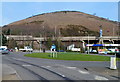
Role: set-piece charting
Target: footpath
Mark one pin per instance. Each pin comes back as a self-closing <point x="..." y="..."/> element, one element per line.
<point x="8" y="73"/>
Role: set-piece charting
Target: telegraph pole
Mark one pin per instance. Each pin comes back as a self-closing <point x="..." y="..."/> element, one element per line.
<point x="40" y="43"/>
<point x="59" y="40"/>
<point x="88" y="44"/>
<point x="55" y="32"/>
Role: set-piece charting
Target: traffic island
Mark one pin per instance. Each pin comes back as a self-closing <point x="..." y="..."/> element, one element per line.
<point x="70" y="56"/>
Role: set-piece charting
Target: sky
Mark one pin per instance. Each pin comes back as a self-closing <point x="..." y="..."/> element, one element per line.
<point x="15" y="11"/>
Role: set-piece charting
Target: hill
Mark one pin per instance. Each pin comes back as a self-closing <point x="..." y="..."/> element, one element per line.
<point x="65" y="23"/>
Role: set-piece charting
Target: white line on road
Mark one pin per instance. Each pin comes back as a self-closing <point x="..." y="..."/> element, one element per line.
<point x="46" y="66"/>
<point x="26" y="65"/>
<point x="56" y="72"/>
<point x="83" y="72"/>
<point x="100" y="78"/>
<point x="67" y="67"/>
<point x="17" y="59"/>
<point x="71" y="68"/>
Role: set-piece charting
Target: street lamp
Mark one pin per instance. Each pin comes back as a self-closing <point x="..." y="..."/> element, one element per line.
<point x="88" y="43"/>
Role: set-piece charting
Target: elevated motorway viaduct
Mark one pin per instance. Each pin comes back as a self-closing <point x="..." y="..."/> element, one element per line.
<point x="67" y="40"/>
<point x="80" y="38"/>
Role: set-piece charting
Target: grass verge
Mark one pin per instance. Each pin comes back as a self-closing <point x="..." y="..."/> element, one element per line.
<point x="71" y="56"/>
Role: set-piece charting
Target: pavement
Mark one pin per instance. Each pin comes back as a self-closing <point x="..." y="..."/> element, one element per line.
<point x="106" y="71"/>
<point x="8" y="73"/>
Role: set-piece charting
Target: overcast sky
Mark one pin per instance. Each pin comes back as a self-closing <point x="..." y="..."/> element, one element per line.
<point x="15" y="11"/>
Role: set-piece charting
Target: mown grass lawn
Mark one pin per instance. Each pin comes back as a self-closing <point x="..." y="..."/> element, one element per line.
<point x="71" y="56"/>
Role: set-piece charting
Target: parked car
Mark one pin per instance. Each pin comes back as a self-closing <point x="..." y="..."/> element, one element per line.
<point x="26" y="49"/>
<point x="60" y="50"/>
<point x="91" y="51"/>
<point x="118" y="54"/>
<point x="1" y="49"/>
<point x="113" y="50"/>
<point x="4" y="51"/>
<point x="11" y="50"/>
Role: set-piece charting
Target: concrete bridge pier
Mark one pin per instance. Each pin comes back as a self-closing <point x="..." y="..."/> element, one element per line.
<point x="40" y="45"/>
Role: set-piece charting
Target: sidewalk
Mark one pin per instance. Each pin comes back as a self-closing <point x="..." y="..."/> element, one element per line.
<point x="112" y="74"/>
<point x="8" y="73"/>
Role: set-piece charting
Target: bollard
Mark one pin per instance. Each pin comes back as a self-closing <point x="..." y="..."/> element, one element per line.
<point x="43" y="50"/>
<point x="113" y="63"/>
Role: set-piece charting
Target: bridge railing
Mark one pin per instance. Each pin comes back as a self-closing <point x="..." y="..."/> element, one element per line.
<point x="16" y="37"/>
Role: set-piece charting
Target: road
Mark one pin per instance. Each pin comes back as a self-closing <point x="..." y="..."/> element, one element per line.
<point x="29" y="68"/>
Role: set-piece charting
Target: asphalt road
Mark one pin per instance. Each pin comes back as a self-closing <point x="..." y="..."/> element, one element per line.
<point x="47" y="69"/>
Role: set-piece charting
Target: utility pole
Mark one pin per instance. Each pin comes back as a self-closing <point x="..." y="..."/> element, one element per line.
<point x="40" y="43"/>
<point x="59" y="40"/>
<point x="88" y="43"/>
<point x="55" y="31"/>
<point x="55" y="34"/>
<point x="44" y="39"/>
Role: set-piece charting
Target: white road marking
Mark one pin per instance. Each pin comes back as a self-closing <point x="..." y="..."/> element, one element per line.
<point x="26" y="65"/>
<point x="68" y="67"/>
<point x="46" y="66"/>
<point x="17" y="59"/>
<point x="100" y="78"/>
<point x="61" y="65"/>
<point x="71" y="68"/>
<point x="83" y="72"/>
<point x="43" y="66"/>
<point x="56" y="72"/>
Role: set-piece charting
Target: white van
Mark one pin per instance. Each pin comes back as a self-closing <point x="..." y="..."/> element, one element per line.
<point x="4" y="50"/>
<point x="5" y="47"/>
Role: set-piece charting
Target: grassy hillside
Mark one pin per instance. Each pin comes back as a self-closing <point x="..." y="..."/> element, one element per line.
<point x="66" y="23"/>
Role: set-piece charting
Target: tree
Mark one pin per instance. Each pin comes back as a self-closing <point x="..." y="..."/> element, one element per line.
<point x="12" y="43"/>
<point x="49" y="42"/>
<point x="7" y="32"/>
<point x="4" y="40"/>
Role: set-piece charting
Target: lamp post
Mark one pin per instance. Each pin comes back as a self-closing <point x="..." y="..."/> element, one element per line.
<point x="88" y="43"/>
<point x="44" y="39"/>
<point x="40" y="41"/>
